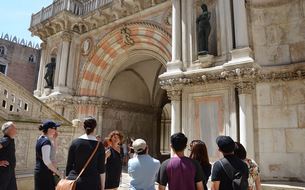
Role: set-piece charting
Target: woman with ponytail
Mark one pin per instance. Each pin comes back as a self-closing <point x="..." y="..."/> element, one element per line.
<point x="93" y="177"/>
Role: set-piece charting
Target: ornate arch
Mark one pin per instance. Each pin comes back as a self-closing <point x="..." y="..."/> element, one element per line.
<point x="113" y="48"/>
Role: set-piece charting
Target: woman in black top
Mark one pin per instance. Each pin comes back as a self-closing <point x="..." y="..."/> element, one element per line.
<point x="199" y="152"/>
<point x="114" y="161"/>
<point x="45" y="168"/>
<point x="93" y="178"/>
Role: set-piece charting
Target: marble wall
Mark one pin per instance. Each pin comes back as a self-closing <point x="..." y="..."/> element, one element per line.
<point x="132" y="124"/>
<point x="281" y="129"/>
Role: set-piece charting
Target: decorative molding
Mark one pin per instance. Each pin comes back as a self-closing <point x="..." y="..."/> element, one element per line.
<point x="86" y="46"/>
<point x="66" y="36"/>
<point x="101" y="102"/>
<point x="239" y="76"/>
<point x="174" y="95"/>
<point x="245" y="87"/>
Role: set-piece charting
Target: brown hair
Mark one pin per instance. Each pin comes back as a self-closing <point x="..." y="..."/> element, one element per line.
<point x="199" y="152"/>
<point x="113" y="133"/>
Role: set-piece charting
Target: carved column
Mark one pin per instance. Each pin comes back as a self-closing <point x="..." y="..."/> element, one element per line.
<point x="40" y="80"/>
<point x="245" y="90"/>
<point x="66" y="40"/>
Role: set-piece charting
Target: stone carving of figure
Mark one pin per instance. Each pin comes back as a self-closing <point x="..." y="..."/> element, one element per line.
<point x="50" y="73"/>
<point x="203" y="30"/>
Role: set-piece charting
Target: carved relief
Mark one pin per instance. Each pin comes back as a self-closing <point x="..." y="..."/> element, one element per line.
<point x="86" y="46"/>
<point x="125" y="32"/>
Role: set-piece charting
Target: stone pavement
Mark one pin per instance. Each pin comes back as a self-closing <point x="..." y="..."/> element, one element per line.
<point x="270" y="185"/>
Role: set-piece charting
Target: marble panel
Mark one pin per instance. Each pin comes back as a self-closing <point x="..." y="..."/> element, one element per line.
<point x="295" y="139"/>
<point x="296" y="92"/>
<point x="297" y="52"/>
<point x="301" y="115"/>
<point x="263" y="94"/>
<point x="272" y="140"/>
<point x="283" y="116"/>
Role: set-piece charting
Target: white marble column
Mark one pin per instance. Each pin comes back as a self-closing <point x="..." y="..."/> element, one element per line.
<point x="240" y="22"/>
<point x="188" y="32"/>
<point x="40" y="84"/>
<point x="175" y="97"/>
<point x="246" y="130"/>
<point x="242" y="54"/>
<point x="72" y="64"/>
<point x="224" y="25"/>
<point x="66" y="40"/>
<point x="176" y="65"/>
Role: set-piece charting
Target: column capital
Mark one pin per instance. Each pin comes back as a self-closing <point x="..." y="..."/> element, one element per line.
<point x="66" y="36"/>
<point x="43" y="45"/>
<point x="174" y="95"/>
<point x="245" y="87"/>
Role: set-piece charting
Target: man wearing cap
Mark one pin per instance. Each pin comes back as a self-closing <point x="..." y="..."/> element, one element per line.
<point x="180" y="172"/>
<point x="8" y="157"/>
<point x="220" y="180"/>
<point x="142" y="168"/>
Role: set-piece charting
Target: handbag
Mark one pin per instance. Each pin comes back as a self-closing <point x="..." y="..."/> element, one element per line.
<point x="68" y="184"/>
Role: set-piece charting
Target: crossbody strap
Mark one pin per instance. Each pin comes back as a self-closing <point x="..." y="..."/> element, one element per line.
<point x="229" y="169"/>
<point x="88" y="161"/>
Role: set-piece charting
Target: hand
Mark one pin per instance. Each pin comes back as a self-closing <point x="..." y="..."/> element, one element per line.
<point x="4" y="163"/>
<point x="55" y="135"/>
<point x="107" y="153"/>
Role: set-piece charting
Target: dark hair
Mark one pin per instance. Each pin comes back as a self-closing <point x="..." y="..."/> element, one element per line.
<point x="113" y="133"/>
<point x="89" y="125"/>
<point x="240" y="151"/>
<point x="178" y="142"/>
<point x="41" y="128"/>
<point x="142" y="152"/>
<point x="199" y="152"/>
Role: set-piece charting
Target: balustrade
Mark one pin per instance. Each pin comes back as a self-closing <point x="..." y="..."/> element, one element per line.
<point x="74" y="6"/>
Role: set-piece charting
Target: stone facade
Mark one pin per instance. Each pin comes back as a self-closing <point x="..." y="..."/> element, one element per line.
<point x="27" y="112"/>
<point x="20" y="61"/>
<point x="123" y="61"/>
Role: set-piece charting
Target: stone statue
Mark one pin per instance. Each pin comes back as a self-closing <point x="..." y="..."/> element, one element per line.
<point x="50" y="73"/>
<point x="203" y="30"/>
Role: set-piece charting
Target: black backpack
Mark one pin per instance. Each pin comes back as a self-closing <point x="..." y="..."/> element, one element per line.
<point x="239" y="181"/>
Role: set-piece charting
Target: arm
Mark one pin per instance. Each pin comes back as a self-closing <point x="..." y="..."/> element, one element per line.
<point x="199" y="185"/>
<point x="70" y="160"/>
<point x="1" y="146"/>
<point x="215" y="185"/>
<point x="161" y="187"/>
<point x="258" y="185"/>
<point x="46" y="152"/>
<point x="101" y="165"/>
<point x="103" y="178"/>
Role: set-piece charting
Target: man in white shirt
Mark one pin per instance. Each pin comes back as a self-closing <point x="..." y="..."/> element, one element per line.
<point x="142" y="168"/>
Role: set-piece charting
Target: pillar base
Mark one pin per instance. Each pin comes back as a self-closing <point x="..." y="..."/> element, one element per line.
<point x="240" y="56"/>
<point x="174" y="69"/>
<point x="47" y="92"/>
<point x="62" y="90"/>
<point x="37" y="93"/>
<point x="204" y="61"/>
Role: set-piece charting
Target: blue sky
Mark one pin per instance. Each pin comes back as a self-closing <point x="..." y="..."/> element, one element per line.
<point x="15" y="17"/>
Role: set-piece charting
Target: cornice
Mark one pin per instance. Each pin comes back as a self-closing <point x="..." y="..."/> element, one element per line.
<point x="239" y="76"/>
<point x="101" y="102"/>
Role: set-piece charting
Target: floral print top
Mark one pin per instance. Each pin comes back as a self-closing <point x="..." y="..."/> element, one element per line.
<point x="253" y="172"/>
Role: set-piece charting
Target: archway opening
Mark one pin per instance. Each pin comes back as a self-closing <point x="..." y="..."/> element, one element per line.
<point x="138" y="102"/>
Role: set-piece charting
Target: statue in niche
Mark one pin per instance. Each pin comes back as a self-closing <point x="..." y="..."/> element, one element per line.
<point x="50" y="73"/>
<point x="203" y="30"/>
